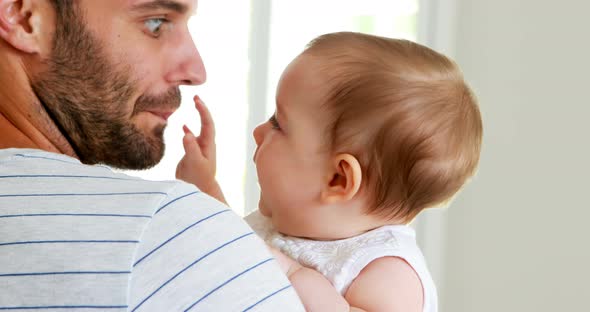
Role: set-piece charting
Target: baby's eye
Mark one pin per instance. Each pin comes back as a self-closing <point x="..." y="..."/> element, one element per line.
<point x="273" y="121"/>
<point x="154" y="26"/>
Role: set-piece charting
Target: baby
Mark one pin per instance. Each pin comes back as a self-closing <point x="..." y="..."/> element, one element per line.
<point x="368" y="132"/>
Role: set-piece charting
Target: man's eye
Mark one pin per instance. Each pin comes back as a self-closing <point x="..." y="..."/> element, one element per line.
<point x="273" y="121"/>
<point x="154" y="26"/>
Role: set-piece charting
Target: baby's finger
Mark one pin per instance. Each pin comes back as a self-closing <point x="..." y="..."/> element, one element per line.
<point x="186" y="130"/>
<point x="207" y="135"/>
<point x="190" y="144"/>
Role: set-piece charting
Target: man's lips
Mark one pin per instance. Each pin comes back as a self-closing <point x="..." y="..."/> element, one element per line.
<point x="162" y="114"/>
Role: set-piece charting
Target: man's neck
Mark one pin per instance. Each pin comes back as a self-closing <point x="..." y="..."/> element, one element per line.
<point x="24" y="123"/>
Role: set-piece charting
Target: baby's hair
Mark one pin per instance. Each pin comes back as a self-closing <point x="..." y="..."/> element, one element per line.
<point x="406" y="113"/>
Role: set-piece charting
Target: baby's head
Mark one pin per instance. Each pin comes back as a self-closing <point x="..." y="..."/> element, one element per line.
<point x="403" y="116"/>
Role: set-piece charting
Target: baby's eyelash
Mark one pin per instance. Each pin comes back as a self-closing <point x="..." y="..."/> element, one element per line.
<point x="273" y="121"/>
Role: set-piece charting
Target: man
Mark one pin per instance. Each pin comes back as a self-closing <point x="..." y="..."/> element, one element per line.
<point x="84" y="84"/>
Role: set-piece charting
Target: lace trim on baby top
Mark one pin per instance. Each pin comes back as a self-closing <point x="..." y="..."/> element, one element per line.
<point x="342" y="260"/>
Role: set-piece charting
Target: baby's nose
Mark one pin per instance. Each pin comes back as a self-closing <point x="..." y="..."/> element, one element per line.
<point x="258" y="134"/>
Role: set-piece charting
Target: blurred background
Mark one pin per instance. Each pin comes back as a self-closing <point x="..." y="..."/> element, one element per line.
<point x="516" y="238"/>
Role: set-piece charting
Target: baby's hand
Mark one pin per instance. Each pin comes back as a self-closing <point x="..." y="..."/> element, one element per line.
<point x="198" y="165"/>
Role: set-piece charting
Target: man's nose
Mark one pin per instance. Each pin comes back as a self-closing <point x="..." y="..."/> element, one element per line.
<point x="190" y="68"/>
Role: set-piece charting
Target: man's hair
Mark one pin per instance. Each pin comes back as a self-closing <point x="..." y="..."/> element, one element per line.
<point x="63" y="6"/>
<point x="406" y="113"/>
<point x="66" y="11"/>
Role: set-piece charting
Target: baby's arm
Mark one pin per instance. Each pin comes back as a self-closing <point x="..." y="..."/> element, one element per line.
<point x="387" y="284"/>
<point x="314" y="290"/>
<point x="198" y="165"/>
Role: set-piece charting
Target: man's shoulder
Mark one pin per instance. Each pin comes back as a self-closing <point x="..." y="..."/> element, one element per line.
<point x="40" y="164"/>
<point x="54" y="177"/>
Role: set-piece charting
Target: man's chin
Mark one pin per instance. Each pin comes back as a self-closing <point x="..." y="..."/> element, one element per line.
<point x="135" y="152"/>
<point x="152" y="155"/>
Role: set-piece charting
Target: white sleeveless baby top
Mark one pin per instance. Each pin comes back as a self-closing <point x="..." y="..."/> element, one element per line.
<point x="341" y="261"/>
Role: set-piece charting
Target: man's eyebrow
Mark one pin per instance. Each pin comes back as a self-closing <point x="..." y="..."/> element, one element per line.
<point x="170" y="5"/>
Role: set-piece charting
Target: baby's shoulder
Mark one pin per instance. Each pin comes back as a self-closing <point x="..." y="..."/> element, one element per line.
<point x="387" y="283"/>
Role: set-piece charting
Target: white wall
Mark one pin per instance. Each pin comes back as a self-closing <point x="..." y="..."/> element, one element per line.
<point x="517" y="237"/>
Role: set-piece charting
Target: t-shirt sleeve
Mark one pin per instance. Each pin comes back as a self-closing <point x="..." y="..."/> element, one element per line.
<point x="198" y="255"/>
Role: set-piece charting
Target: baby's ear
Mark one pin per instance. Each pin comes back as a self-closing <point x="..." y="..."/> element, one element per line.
<point x="344" y="181"/>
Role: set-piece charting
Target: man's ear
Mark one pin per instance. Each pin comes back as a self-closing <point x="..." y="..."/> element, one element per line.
<point x="345" y="179"/>
<point x="21" y="23"/>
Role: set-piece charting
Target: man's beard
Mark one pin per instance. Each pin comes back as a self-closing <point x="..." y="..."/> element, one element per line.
<point x="87" y="97"/>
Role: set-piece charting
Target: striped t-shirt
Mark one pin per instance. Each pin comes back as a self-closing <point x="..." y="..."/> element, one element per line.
<point x="84" y="238"/>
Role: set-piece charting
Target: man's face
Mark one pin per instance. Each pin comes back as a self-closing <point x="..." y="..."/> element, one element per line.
<point x="112" y="79"/>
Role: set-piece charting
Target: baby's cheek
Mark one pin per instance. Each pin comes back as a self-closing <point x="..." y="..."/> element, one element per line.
<point x="263" y="208"/>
